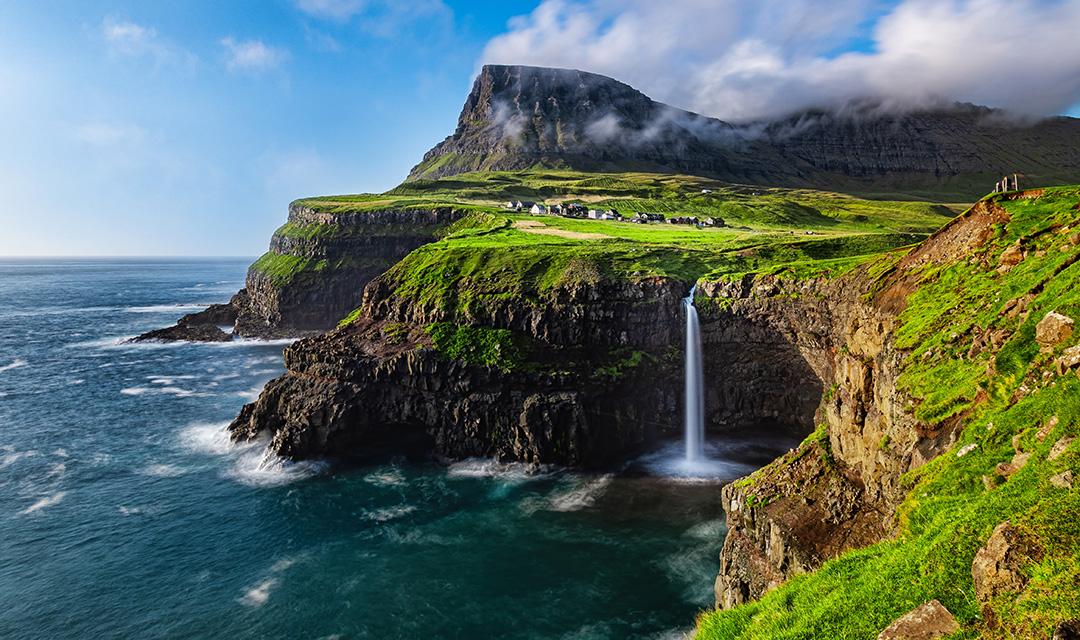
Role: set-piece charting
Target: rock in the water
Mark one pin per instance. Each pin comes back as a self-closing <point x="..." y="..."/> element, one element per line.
<point x="997" y="566"/>
<point x="185" y="332"/>
<point x="1053" y="329"/>
<point x="931" y="620"/>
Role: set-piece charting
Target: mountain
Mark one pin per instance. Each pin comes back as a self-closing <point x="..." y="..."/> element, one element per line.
<point x="517" y="117"/>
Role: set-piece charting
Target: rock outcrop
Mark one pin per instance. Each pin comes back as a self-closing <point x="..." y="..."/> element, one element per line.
<point x="997" y="568"/>
<point x="829" y="360"/>
<point x="518" y="117"/>
<point x="927" y="622"/>
<point x="379" y="382"/>
<point x="314" y="273"/>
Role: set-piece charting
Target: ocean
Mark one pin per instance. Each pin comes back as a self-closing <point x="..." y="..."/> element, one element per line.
<point x="126" y="512"/>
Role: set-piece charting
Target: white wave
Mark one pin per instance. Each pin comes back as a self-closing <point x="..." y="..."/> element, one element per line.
<point x="389" y="513"/>
<point x="488" y="468"/>
<point x="61" y="453"/>
<point x="210" y="438"/>
<point x="579" y="497"/>
<point x="56" y="470"/>
<point x="250" y="342"/>
<point x="386" y="477"/>
<point x="169" y="308"/>
<point x="253" y="464"/>
<point x="76" y="381"/>
<point x="164" y="470"/>
<point x="168" y="379"/>
<point x="259" y="594"/>
<point x="282" y="565"/>
<point x="47" y="501"/>
<point x="172" y="391"/>
<point x="252" y="393"/>
<point x="130" y="511"/>
<point x="13" y="456"/>
<point x="265" y="469"/>
<point x="18" y="362"/>
<point x="671" y="462"/>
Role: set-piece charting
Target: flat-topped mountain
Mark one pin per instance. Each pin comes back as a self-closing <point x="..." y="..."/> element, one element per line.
<point x="517" y="117"/>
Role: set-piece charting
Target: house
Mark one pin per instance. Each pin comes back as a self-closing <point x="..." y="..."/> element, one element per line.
<point x="609" y="215"/>
<point x="538" y="209"/>
<point x="594" y="214"/>
<point x="706" y="190"/>
<point x="714" y="222"/>
<point x="648" y="217"/>
<point x="511" y="205"/>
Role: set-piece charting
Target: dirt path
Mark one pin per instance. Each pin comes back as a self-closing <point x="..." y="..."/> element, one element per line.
<point x="535" y="226"/>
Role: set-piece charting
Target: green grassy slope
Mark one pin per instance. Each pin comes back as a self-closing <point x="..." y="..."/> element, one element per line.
<point x="495" y="252"/>
<point x="955" y="502"/>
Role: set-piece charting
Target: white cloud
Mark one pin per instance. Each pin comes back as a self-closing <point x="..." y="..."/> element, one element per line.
<point x="251" y="55"/>
<point x="747" y="59"/>
<point x="128" y="39"/>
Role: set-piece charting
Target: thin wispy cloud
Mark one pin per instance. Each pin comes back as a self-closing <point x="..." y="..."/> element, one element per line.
<point x="108" y="134"/>
<point x="749" y="59"/>
<point x="340" y="10"/>
<point x="251" y="55"/>
<point x="132" y="40"/>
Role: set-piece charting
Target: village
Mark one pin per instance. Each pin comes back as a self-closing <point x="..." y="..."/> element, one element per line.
<point x="576" y="210"/>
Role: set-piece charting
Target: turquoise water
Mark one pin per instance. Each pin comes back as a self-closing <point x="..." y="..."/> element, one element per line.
<point x="126" y="512"/>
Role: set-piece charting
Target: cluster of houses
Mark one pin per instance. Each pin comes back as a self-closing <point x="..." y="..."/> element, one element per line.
<point x="574" y="210"/>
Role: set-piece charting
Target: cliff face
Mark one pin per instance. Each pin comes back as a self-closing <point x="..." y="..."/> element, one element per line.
<point x="518" y="117"/>
<point x="841" y="488"/>
<point x="314" y="273"/>
<point x="319" y="263"/>
<point x="590" y="379"/>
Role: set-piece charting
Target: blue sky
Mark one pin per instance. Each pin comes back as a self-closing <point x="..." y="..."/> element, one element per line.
<point x="185" y="128"/>
<point x="158" y="128"/>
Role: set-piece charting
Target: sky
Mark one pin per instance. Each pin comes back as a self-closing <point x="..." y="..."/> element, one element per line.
<point x="186" y="128"/>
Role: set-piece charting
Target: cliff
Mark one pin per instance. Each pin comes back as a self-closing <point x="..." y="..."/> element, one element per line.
<point x="943" y="425"/>
<point x="519" y="117"/>
<point x="315" y="271"/>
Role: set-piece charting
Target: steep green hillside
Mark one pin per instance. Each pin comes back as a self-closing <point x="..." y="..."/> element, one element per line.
<point x="497" y="252"/>
<point x="970" y="328"/>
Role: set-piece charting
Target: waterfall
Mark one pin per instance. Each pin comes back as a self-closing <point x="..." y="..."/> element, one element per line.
<point x="695" y="386"/>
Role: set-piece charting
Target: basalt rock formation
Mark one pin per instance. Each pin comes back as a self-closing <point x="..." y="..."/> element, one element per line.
<point x="518" y="117"/>
<point x="574" y="395"/>
<point x="314" y="273"/>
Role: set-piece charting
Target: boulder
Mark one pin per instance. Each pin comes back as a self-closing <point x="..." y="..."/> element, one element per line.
<point x="1069" y="359"/>
<point x="1059" y="448"/>
<point x="1067" y="630"/>
<point x="997" y="566"/>
<point x="1053" y="329"/>
<point x="931" y="620"/>
<point x="1011" y="257"/>
<point x="1063" y="480"/>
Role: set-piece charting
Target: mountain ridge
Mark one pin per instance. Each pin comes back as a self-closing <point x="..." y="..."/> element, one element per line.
<point x="518" y="117"/>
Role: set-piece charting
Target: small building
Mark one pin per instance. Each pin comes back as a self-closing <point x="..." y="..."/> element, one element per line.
<point x="511" y="205"/>
<point x="713" y="222"/>
<point x="706" y="190"/>
<point x="594" y="214"/>
<point x="538" y="209"/>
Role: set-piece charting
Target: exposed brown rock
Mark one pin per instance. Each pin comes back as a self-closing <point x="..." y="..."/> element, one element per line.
<point x="1011" y="257"/>
<point x="1069" y="629"/>
<point x="1063" y="480"/>
<point x="1059" y="447"/>
<point x="1069" y="359"/>
<point x="997" y="567"/>
<point x="929" y="621"/>
<point x="1053" y="329"/>
<point x="1046" y="428"/>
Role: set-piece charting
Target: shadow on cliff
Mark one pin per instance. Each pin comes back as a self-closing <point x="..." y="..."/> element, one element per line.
<point x="756" y="378"/>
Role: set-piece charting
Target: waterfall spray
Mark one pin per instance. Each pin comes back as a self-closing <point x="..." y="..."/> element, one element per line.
<point x="695" y="386"/>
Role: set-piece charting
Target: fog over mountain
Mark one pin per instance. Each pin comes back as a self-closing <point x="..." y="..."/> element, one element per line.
<point x="742" y="60"/>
